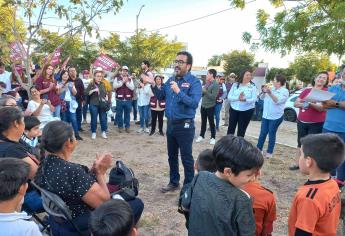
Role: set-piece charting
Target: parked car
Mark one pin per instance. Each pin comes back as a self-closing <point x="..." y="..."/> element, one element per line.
<point x="291" y="112"/>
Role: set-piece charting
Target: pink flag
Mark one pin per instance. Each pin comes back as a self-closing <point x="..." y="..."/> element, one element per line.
<point x="55" y="60"/>
<point x="17" y="51"/>
<point x="105" y="62"/>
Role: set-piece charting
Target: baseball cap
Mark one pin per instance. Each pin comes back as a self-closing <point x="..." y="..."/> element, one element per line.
<point x="99" y="69"/>
<point x="124" y="67"/>
<point x="232" y="75"/>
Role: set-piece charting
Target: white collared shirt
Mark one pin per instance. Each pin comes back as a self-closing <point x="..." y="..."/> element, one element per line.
<point x="250" y="94"/>
<point x="275" y="110"/>
<point x="144" y="95"/>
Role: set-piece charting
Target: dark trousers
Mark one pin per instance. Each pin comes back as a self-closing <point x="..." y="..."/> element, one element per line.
<point x="303" y="129"/>
<point x="339" y="172"/>
<point x="207" y="114"/>
<point x="135" y="109"/>
<point x="79" y="113"/>
<point x="180" y="137"/>
<point x="85" y="109"/>
<point x="269" y="127"/>
<point x="240" y="119"/>
<point x="155" y="115"/>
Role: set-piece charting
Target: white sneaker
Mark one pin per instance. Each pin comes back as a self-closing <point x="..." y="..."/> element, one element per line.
<point x="147" y="130"/>
<point x="93" y="136"/>
<point x="141" y="130"/>
<point x="212" y="141"/>
<point x="199" y="139"/>
<point x="104" y="135"/>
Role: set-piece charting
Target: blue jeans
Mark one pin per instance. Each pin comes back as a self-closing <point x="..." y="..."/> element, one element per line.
<point x="340" y="171"/>
<point x="144" y="116"/>
<point x="57" y="111"/>
<point x="269" y="127"/>
<point x="123" y="112"/>
<point x="32" y="202"/>
<point x="71" y="117"/>
<point x="79" y="113"/>
<point x="95" y="111"/>
<point x="85" y="109"/>
<point x="135" y="109"/>
<point x="217" y="110"/>
<point x="180" y="138"/>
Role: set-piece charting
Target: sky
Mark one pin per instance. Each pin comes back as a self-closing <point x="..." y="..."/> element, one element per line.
<point x="206" y="37"/>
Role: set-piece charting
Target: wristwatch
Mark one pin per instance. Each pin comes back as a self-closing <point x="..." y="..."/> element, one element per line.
<point x="337" y="104"/>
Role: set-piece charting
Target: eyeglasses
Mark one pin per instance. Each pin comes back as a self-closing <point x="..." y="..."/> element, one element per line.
<point x="180" y="62"/>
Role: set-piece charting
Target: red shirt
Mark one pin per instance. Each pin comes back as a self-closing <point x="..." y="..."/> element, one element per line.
<point x="310" y="115"/>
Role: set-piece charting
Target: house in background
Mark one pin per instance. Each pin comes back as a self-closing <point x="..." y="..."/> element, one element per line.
<point x="259" y="75"/>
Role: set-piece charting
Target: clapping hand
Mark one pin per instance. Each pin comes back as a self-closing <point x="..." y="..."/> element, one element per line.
<point x="102" y="163"/>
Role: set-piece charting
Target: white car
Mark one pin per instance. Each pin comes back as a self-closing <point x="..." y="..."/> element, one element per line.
<point x="291" y="112"/>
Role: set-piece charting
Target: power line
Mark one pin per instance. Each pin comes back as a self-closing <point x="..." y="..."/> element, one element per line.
<point x="199" y="18"/>
<point x="161" y="28"/>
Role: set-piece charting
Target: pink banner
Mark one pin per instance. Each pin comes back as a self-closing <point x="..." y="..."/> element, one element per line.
<point x="105" y="62"/>
<point x="17" y="51"/>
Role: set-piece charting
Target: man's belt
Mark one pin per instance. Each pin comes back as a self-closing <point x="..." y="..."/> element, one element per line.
<point x="181" y="121"/>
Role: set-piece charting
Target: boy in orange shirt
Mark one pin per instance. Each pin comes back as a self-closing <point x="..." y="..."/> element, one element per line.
<point x="316" y="207"/>
<point x="264" y="206"/>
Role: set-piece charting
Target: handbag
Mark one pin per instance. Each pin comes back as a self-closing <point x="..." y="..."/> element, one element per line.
<point x="104" y="106"/>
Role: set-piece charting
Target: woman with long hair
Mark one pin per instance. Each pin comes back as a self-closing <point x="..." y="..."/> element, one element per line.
<point x="47" y="86"/>
<point x="274" y="103"/>
<point x="311" y="115"/>
<point x="157" y="108"/>
<point x="242" y="97"/>
<point x="97" y="93"/>
<point x="67" y="93"/>
<point x="41" y="108"/>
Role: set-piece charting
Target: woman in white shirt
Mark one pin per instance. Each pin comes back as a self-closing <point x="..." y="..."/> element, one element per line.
<point x="242" y="97"/>
<point x="144" y="95"/>
<point x="272" y="117"/>
<point x="41" y="108"/>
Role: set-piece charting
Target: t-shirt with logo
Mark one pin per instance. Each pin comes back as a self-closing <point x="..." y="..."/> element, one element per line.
<point x="316" y="208"/>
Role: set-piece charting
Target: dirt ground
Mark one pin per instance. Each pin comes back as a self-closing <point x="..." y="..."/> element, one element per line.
<point x="147" y="156"/>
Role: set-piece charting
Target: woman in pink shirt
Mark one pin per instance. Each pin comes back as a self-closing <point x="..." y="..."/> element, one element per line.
<point x="311" y="115"/>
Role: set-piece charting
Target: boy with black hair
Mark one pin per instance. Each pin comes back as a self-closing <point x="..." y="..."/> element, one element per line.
<point x="112" y="218"/>
<point x="264" y="206"/>
<point x="205" y="162"/>
<point x="13" y="185"/>
<point x="32" y="130"/>
<point x="316" y="207"/>
<point x="218" y="206"/>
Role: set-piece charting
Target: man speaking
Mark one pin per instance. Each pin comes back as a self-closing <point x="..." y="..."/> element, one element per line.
<point x="182" y="93"/>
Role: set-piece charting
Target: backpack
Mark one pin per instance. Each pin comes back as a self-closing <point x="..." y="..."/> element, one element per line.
<point x="124" y="178"/>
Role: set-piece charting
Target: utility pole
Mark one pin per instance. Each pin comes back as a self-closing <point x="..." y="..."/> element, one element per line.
<point x="137" y="29"/>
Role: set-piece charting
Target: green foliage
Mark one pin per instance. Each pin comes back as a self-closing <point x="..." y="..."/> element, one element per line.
<point x="153" y="47"/>
<point x="306" y="26"/>
<point x="287" y="72"/>
<point x="237" y="61"/>
<point x="215" y="60"/>
<point x="307" y="66"/>
<point x="48" y="41"/>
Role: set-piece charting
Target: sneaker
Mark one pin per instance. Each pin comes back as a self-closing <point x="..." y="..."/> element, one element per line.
<point x="212" y="141"/>
<point x="127" y="130"/>
<point x="104" y="135"/>
<point x="81" y="130"/>
<point x="161" y="133"/>
<point x="147" y="130"/>
<point x="120" y="130"/>
<point x="269" y="155"/>
<point x="294" y="167"/>
<point x="170" y="188"/>
<point x="199" y="139"/>
<point x="152" y="132"/>
<point x="78" y="138"/>
<point x="93" y="136"/>
<point x="137" y="122"/>
<point x="141" y="130"/>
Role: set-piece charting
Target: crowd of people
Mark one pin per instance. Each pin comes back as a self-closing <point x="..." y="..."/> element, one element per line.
<point x="40" y="130"/>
